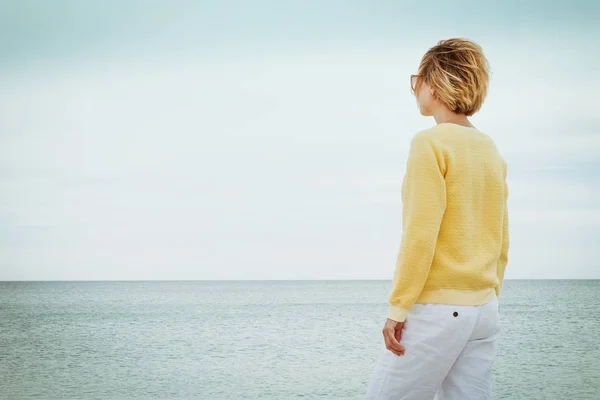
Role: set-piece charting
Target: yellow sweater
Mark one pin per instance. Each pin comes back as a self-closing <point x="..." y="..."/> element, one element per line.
<point x="454" y="246"/>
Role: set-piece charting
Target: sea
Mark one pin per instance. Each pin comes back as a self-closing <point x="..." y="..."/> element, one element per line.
<point x="266" y="340"/>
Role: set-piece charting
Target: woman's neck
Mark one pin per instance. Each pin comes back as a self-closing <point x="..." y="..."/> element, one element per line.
<point x="446" y="116"/>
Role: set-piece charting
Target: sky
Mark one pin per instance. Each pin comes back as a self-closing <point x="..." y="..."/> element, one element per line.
<point x="179" y="140"/>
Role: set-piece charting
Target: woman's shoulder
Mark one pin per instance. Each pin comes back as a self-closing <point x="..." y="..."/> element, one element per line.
<point x="443" y="130"/>
<point x="449" y="131"/>
<point x="451" y="138"/>
<point x="428" y="133"/>
<point x="436" y="134"/>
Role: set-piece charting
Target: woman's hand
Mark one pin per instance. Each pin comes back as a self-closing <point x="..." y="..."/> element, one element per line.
<point x="392" y="332"/>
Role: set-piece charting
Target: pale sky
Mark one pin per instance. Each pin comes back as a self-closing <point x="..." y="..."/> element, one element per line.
<point x="229" y="140"/>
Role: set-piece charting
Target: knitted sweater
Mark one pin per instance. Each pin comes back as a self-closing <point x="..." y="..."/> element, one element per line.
<point x="455" y="239"/>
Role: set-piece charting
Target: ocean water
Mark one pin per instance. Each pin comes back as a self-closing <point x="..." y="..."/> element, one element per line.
<point x="265" y="340"/>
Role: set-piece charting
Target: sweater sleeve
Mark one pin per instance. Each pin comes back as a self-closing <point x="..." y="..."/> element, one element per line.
<point x="503" y="259"/>
<point x="424" y="204"/>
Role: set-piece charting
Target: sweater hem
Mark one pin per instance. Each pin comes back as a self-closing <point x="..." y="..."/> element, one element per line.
<point x="457" y="297"/>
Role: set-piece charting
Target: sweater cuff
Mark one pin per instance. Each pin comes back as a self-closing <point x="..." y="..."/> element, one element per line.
<point x="397" y="313"/>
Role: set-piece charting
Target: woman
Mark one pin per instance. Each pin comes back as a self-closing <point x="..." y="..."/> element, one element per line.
<point x="442" y="328"/>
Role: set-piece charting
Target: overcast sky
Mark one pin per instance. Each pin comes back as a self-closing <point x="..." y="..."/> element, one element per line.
<point x="268" y="139"/>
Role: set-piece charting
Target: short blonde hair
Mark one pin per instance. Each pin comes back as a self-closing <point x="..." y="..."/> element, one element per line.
<point x="458" y="72"/>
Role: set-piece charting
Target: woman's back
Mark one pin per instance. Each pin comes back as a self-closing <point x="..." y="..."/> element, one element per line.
<point x="470" y="239"/>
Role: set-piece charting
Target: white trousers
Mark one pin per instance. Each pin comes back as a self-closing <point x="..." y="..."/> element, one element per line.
<point x="449" y="352"/>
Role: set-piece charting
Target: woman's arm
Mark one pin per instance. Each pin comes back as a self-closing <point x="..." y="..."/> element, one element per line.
<point x="424" y="204"/>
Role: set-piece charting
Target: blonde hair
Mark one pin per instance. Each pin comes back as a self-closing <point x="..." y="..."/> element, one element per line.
<point x="458" y="72"/>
